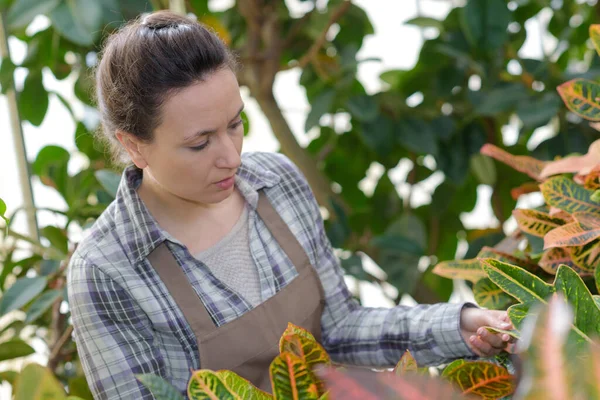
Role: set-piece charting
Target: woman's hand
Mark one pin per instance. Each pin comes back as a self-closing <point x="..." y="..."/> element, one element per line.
<point x="483" y="342"/>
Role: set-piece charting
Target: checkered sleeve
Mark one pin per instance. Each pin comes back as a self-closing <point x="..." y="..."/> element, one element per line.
<point x="378" y="337"/>
<point x="112" y="333"/>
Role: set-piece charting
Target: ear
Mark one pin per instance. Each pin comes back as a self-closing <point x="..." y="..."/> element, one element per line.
<point x="133" y="146"/>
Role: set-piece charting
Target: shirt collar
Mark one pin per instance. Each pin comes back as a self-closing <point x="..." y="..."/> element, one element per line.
<point x="139" y="231"/>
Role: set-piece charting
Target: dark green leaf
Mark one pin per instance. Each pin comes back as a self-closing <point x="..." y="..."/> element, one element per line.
<point x="501" y="99"/>
<point x="321" y="105"/>
<point x="7" y="71"/>
<point x="159" y="387"/>
<point x="21" y="293"/>
<point x="78" y="387"/>
<point x="9" y="376"/>
<point x="78" y="20"/>
<point x="51" y="166"/>
<point x="485" y="23"/>
<point x="49" y="267"/>
<point x="84" y="140"/>
<point x="379" y="135"/>
<point x="33" y="100"/>
<point x="84" y="87"/>
<point x="14" y="348"/>
<point x="536" y="112"/>
<point x="109" y="180"/>
<point x="392" y="242"/>
<point x="57" y="238"/>
<point x="363" y="108"/>
<point x="416" y="135"/>
<point x="22" y="12"/>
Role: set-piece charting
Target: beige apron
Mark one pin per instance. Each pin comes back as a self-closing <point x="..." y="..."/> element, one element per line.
<point x="248" y="344"/>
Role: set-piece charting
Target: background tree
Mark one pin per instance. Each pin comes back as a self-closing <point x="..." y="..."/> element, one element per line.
<point x="469" y="83"/>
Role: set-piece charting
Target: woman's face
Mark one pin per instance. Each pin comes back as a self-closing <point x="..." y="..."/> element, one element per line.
<point x="196" y="149"/>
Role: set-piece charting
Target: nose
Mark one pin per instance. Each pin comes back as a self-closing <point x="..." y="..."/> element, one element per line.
<point x="229" y="153"/>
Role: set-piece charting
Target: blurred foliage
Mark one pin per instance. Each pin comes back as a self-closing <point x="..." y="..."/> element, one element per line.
<point x="470" y="84"/>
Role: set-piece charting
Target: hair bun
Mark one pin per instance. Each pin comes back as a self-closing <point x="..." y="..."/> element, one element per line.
<point x="164" y="19"/>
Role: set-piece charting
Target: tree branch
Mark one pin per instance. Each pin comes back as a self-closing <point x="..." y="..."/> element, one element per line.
<point x="56" y="354"/>
<point x="318" y="44"/>
<point x="296" y="28"/>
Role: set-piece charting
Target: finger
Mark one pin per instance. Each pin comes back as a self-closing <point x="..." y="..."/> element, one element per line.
<point x="484" y="348"/>
<point x="492" y="339"/>
<point x="499" y="319"/>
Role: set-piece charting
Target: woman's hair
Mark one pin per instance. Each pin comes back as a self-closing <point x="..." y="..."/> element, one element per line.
<point x="144" y="63"/>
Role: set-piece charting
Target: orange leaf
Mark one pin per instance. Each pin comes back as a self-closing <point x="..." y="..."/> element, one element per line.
<point x="581" y="97"/>
<point x="524" y="164"/>
<point x="557" y="256"/>
<point x="585" y="229"/>
<point x="592" y="179"/>
<point x="574" y="164"/>
<point x="528" y="187"/>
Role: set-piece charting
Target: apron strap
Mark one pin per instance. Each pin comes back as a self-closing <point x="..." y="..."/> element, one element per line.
<point x="188" y="301"/>
<point x="282" y="233"/>
<point x="177" y="283"/>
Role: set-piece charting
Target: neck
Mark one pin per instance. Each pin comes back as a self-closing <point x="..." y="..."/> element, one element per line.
<point x="172" y="211"/>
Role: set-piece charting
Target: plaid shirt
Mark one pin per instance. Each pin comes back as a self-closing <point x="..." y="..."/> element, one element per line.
<point x="126" y="322"/>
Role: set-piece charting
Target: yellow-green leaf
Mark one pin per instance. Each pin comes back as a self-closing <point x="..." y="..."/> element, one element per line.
<point x="489" y="295"/>
<point x="561" y="192"/>
<point x="483" y="379"/>
<point x="461" y="269"/>
<point x="524" y="164"/>
<point x="535" y="222"/>
<point x="517" y="282"/>
<point x="207" y="385"/>
<point x="514" y="333"/>
<point x="37" y="382"/>
<point x="406" y="364"/>
<point x="595" y="36"/>
<point x="14" y="348"/>
<point x="291" y="379"/>
<point x="311" y="353"/>
<point x="518" y="312"/>
<point x="586" y="257"/>
<point x="242" y="386"/>
<point x="581" y="97"/>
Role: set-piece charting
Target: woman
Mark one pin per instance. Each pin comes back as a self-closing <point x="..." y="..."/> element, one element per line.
<point x="206" y="254"/>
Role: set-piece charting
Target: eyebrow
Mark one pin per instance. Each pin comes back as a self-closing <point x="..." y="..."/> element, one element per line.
<point x="209" y="131"/>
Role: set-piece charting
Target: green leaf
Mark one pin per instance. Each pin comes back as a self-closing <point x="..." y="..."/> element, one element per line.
<point x="78" y="386"/>
<point x="394" y="242"/>
<point x="597" y="279"/>
<point x="21" y="293"/>
<point x="14" y="348"/>
<point x="416" y="135"/>
<point x="363" y="108"/>
<point x="561" y="192"/>
<point x="480" y="378"/>
<point x="595" y="36"/>
<point x="3" y="210"/>
<point x="206" y="384"/>
<point x="109" y="181"/>
<point x="501" y="99"/>
<point x="33" y="99"/>
<point x="485" y="23"/>
<point x="514" y="333"/>
<point x="22" y="12"/>
<point x="42" y="304"/>
<point x="586" y="314"/>
<point x="57" y="238"/>
<point x="37" y="382"/>
<point x="9" y="376"/>
<point x="517" y="282"/>
<point x="78" y="20"/>
<point x="518" y="312"/>
<point x="536" y="112"/>
<point x="536" y="222"/>
<point x="484" y="169"/>
<point x="322" y="104"/>
<point x="51" y="165"/>
<point x="7" y="72"/>
<point x="245" y="389"/>
<point x="426" y="22"/>
<point x="489" y="295"/>
<point x="160" y="388"/>
<point x="379" y="135"/>
<point x="581" y="97"/>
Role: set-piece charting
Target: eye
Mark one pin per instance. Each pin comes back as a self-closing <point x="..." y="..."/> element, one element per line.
<point x="237" y="124"/>
<point x="200" y="147"/>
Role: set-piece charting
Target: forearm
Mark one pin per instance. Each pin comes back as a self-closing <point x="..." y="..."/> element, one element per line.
<point x="377" y="337"/>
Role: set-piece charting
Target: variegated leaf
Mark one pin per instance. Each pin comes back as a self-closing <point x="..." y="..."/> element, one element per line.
<point x="296" y="330"/>
<point x="489" y="295"/>
<point x="514" y="333"/>
<point x="524" y="164"/>
<point x="597" y="279"/>
<point x="535" y="222"/>
<point x="517" y="282"/>
<point x="518" y="312"/>
<point x="406" y="364"/>
<point x="526" y="263"/>
<point x="573" y="234"/>
<point x="586" y="257"/>
<point x="563" y="193"/>
<point x="310" y="351"/>
<point x="207" y="385"/>
<point x="581" y="97"/>
<point x="291" y="378"/>
<point x="484" y="379"/>
<point x="242" y="386"/>
<point x="592" y="179"/>
<point x="556" y="256"/>
<point x="460" y="269"/>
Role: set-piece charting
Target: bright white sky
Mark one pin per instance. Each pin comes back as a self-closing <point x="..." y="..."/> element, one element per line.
<point x="396" y="44"/>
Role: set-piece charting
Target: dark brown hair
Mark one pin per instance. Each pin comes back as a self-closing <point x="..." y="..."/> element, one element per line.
<point x="144" y="63"/>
